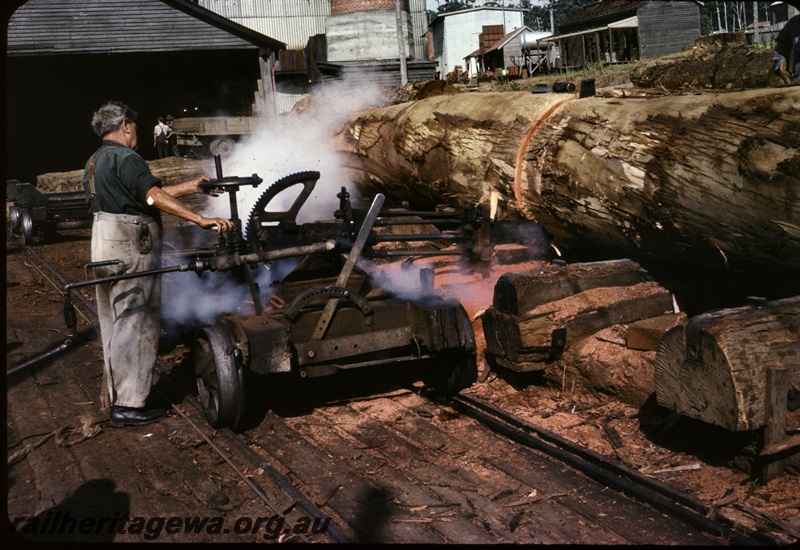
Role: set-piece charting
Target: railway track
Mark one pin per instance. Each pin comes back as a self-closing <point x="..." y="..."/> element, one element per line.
<point x="614" y="474"/>
<point x="388" y="462"/>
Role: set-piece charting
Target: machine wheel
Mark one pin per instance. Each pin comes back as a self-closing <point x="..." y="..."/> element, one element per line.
<point x="225" y="147"/>
<point x="456" y="369"/>
<point x="220" y="377"/>
<point x="222" y="147"/>
<point x="15" y="218"/>
<point x="259" y="214"/>
<point x="27" y="228"/>
<point x="213" y="147"/>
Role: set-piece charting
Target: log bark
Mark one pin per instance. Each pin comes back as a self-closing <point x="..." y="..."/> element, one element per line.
<point x="714" y="369"/>
<point x="710" y="179"/>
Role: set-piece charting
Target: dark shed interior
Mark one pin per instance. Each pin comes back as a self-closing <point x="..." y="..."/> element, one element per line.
<point x="65" y="58"/>
<point x="51" y="99"/>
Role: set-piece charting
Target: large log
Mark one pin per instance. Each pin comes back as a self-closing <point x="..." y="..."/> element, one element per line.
<point x="709" y="179"/>
<point x="170" y="170"/>
<point x="715" y="368"/>
<point x="521" y="291"/>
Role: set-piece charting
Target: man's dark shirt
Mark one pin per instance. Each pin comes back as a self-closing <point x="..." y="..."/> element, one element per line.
<point x="788" y="41"/>
<point x="121" y="181"/>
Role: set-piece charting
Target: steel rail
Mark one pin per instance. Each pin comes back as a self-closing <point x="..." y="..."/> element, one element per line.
<point x="276" y="477"/>
<point x="600" y="468"/>
<point x="250" y="483"/>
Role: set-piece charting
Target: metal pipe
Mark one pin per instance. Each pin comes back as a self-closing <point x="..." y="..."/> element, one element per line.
<point x="390" y="223"/>
<point x="74" y="224"/>
<point x="421" y="237"/>
<point x="427" y="214"/>
<point x="229" y="261"/>
<point x="182" y="267"/>
<point x="42" y="356"/>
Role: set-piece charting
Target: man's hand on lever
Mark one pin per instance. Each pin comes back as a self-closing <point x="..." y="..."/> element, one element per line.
<point x="221" y="224"/>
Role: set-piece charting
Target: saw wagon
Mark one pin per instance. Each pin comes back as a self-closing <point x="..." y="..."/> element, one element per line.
<point x="325" y="316"/>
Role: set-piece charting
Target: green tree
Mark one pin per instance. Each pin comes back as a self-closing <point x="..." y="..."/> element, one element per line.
<point x="565" y="9"/>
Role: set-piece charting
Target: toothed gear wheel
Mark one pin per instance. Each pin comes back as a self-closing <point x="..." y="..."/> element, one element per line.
<point x="259" y="213"/>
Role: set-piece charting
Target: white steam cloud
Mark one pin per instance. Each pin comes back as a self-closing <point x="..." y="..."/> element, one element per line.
<point x="286" y="144"/>
<point x="299" y="142"/>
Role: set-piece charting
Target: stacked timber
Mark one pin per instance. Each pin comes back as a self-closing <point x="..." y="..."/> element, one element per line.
<point x="170" y="170"/>
<point x="537" y="314"/>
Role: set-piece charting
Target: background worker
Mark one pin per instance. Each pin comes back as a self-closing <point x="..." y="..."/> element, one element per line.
<point x="172" y="137"/>
<point x="786" y="58"/>
<point x="160" y="138"/>
<point x="127" y="200"/>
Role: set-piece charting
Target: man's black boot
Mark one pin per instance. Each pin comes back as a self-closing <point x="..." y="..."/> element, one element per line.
<point x="131" y="416"/>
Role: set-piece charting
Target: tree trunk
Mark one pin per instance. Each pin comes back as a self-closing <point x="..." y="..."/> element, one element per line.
<point x="711" y="180"/>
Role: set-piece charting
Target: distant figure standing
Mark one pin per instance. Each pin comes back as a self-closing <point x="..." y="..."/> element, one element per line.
<point x="160" y="138"/>
<point x="172" y="137"/>
<point x="786" y="59"/>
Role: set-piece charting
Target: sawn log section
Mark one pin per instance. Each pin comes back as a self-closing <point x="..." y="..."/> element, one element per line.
<point x="715" y="368"/>
<point x="537" y="313"/>
<point x="708" y="179"/>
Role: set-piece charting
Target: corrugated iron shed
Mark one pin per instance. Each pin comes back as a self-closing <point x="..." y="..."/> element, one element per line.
<point x="51" y="27"/>
<point x="601" y="14"/>
<point x="292" y="21"/>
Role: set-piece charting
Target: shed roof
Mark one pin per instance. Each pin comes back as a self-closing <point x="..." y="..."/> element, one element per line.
<point x="51" y="27"/>
<point x="601" y="14"/>
<point x="441" y="16"/>
<point x="503" y="42"/>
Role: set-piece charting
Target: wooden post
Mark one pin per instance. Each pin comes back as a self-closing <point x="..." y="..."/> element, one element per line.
<point x="598" y="48"/>
<point x="774" y="429"/>
<point x="401" y="46"/>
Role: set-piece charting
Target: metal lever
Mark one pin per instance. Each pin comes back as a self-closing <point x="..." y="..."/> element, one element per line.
<point x="349" y="265"/>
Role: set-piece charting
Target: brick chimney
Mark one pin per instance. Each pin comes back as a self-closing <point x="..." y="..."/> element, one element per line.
<point x="346" y="6"/>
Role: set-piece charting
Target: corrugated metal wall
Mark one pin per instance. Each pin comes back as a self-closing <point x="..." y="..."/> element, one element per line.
<point x="667" y="27"/>
<point x="380" y="74"/>
<point x="294" y="21"/>
<point x="42" y="27"/>
<point x="290" y="21"/>
<point x="419" y="26"/>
